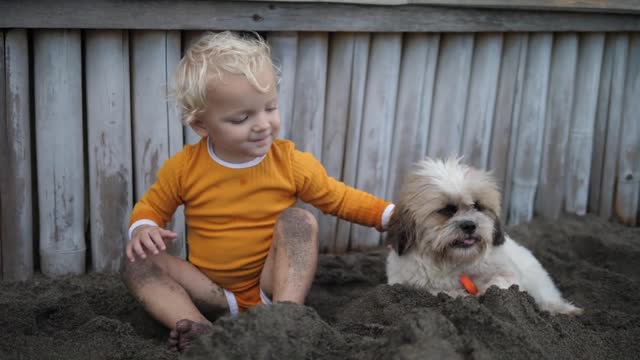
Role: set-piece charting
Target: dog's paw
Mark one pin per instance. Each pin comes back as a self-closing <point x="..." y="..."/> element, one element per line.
<point x="502" y="282"/>
<point x="564" y="308"/>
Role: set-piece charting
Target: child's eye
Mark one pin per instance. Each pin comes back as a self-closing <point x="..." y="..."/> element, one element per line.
<point x="238" y="121"/>
<point x="271" y="109"/>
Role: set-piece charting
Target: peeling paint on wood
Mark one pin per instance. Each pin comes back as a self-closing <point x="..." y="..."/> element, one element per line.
<point x="16" y="193"/>
<point x="60" y="159"/>
<point x="378" y="122"/>
<point x="109" y="141"/>
<point x="551" y="191"/>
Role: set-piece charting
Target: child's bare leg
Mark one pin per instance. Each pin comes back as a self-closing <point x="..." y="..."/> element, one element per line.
<point x="293" y="257"/>
<point x="175" y="293"/>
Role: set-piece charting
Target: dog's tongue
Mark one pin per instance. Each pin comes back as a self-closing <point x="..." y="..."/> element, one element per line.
<point x="469" y="241"/>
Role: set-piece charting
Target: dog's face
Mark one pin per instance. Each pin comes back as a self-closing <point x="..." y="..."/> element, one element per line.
<point x="448" y="212"/>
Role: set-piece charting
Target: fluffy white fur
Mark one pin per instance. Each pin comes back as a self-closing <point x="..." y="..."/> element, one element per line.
<point x="446" y="223"/>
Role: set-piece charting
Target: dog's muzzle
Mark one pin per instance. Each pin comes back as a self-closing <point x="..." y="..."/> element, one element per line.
<point x="467" y="226"/>
<point x="469" y="239"/>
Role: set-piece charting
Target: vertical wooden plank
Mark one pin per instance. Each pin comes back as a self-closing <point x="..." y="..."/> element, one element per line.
<point x="600" y="127"/>
<point x="336" y="115"/>
<point x="428" y="94"/>
<point x="109" y="146"/>
<point x="60" y="160"/>
<point x="308" y="104"/>
<point x="618" y="45"/>
<point x="551" y="191"/>
<point x="531" y="116"/>
<point x="377" y="126"/>
<point x="310" y="85"/>
<point x="481" y="101"/>
<point x="188" y="39"/>
<point x="355" y="118"/>
<point x="628" y="190"/>
<point x="176" y="135"/>
<point x="4" y="149"/>
<point x="409" y="134"/>
<point x="582" y="126"/>
<point x="16" y="197"/>
<point x="284" y="51"/>
<point x="153" y="121"/>
<point x="505" y="124"/>
<point x="449" y="104"/>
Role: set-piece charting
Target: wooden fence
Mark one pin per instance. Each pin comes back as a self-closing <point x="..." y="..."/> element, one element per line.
<point x="85" y="123"/>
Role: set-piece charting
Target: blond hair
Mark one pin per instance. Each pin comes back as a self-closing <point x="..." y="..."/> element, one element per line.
<point x="205" y="63"/>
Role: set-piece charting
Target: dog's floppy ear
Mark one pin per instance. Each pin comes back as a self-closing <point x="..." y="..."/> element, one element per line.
<point x="402" y="230"/>
<point x="498" y="234"/>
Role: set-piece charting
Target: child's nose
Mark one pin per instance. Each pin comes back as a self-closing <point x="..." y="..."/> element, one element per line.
<point x="262" y="122"/>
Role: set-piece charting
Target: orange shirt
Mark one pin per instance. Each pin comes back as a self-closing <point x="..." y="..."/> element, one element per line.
<point x="231" y="212"/>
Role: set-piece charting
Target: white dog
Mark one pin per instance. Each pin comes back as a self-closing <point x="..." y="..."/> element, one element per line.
<point x="445" y="231"/>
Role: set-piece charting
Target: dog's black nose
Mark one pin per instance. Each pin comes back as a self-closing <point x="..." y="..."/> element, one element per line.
<point x="467" y="226"/>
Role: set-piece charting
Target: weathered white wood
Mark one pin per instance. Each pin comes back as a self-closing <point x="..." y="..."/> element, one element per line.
<point x="109" y="146"/>
<point x="155" y="123"/>
<point x="600" y="127"/>
<point x="355" y="119"/>
<point x="618" y="46"/>
<point x="551" y="190"/>
<point x="505" y="127"/>
<point x="16" y="191"/>
<point x="176" y="137"/>
<point x="409" y="129"/>
<point x="628" y="190"/>
<point x="59" y="148"/>
<point x="481" y="99"/>
<point x="531" y="116"/>
<point x="449" y="104"/>
<point x="582" y="126"/>
<point x="377" y="126"/>
<point x="273" y="16"/>
<point x="4" y="150"/>
<point x="583" y="5"/>
<point x="307" y="120"/>
<point x="336" y="114"/>
<point x="310" y="83"/>
<point x="428" y="93"/>
<point x="284" y="51"/>
<point x="188" y="39"/>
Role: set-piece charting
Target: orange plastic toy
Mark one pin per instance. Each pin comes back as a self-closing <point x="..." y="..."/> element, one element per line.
<point x="468" y="284"/>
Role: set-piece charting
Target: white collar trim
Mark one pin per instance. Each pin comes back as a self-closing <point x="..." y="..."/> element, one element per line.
<point x="230" y="165"/>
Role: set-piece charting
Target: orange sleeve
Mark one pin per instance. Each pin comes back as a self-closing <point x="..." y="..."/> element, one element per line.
<point x="163" y="198"/>
<point x="334" y="197"/>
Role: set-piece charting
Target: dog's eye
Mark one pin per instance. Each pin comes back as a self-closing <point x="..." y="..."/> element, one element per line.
<point x="448" y="210"/>
<point x="477" y="206"/>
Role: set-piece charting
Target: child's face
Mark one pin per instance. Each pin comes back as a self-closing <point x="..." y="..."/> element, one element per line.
<point x="240" y="120"/>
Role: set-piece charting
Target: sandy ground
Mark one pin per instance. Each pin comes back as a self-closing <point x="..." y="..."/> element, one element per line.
<point x="352" y="314"/>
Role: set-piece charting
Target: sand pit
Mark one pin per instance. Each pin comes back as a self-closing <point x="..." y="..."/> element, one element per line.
<point x="352" y="314"/>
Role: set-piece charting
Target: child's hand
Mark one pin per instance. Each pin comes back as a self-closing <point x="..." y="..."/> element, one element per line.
<point x="148" y="238"/>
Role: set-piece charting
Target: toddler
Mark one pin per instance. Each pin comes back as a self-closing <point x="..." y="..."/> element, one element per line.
<point x="248" y="245"/>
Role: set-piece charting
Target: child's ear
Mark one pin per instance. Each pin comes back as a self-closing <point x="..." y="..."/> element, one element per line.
<point x="199" y="128"/>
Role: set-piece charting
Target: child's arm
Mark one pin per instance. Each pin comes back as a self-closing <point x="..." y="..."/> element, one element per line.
<point x="333" y="197"/>
<point x="151" y="214"/>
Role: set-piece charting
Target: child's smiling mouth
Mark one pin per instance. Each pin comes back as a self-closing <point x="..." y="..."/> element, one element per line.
<point x="262" y="140"/>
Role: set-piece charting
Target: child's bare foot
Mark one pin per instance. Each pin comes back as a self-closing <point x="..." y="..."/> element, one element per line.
<point x="185" y="332"/>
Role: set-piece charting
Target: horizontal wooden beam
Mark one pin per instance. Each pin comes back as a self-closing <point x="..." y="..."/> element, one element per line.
<point x="621" y="6"/>
<point x="289" y="16"/>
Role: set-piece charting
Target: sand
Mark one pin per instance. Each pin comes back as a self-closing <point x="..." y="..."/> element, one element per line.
<point x="352" y="314"/>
